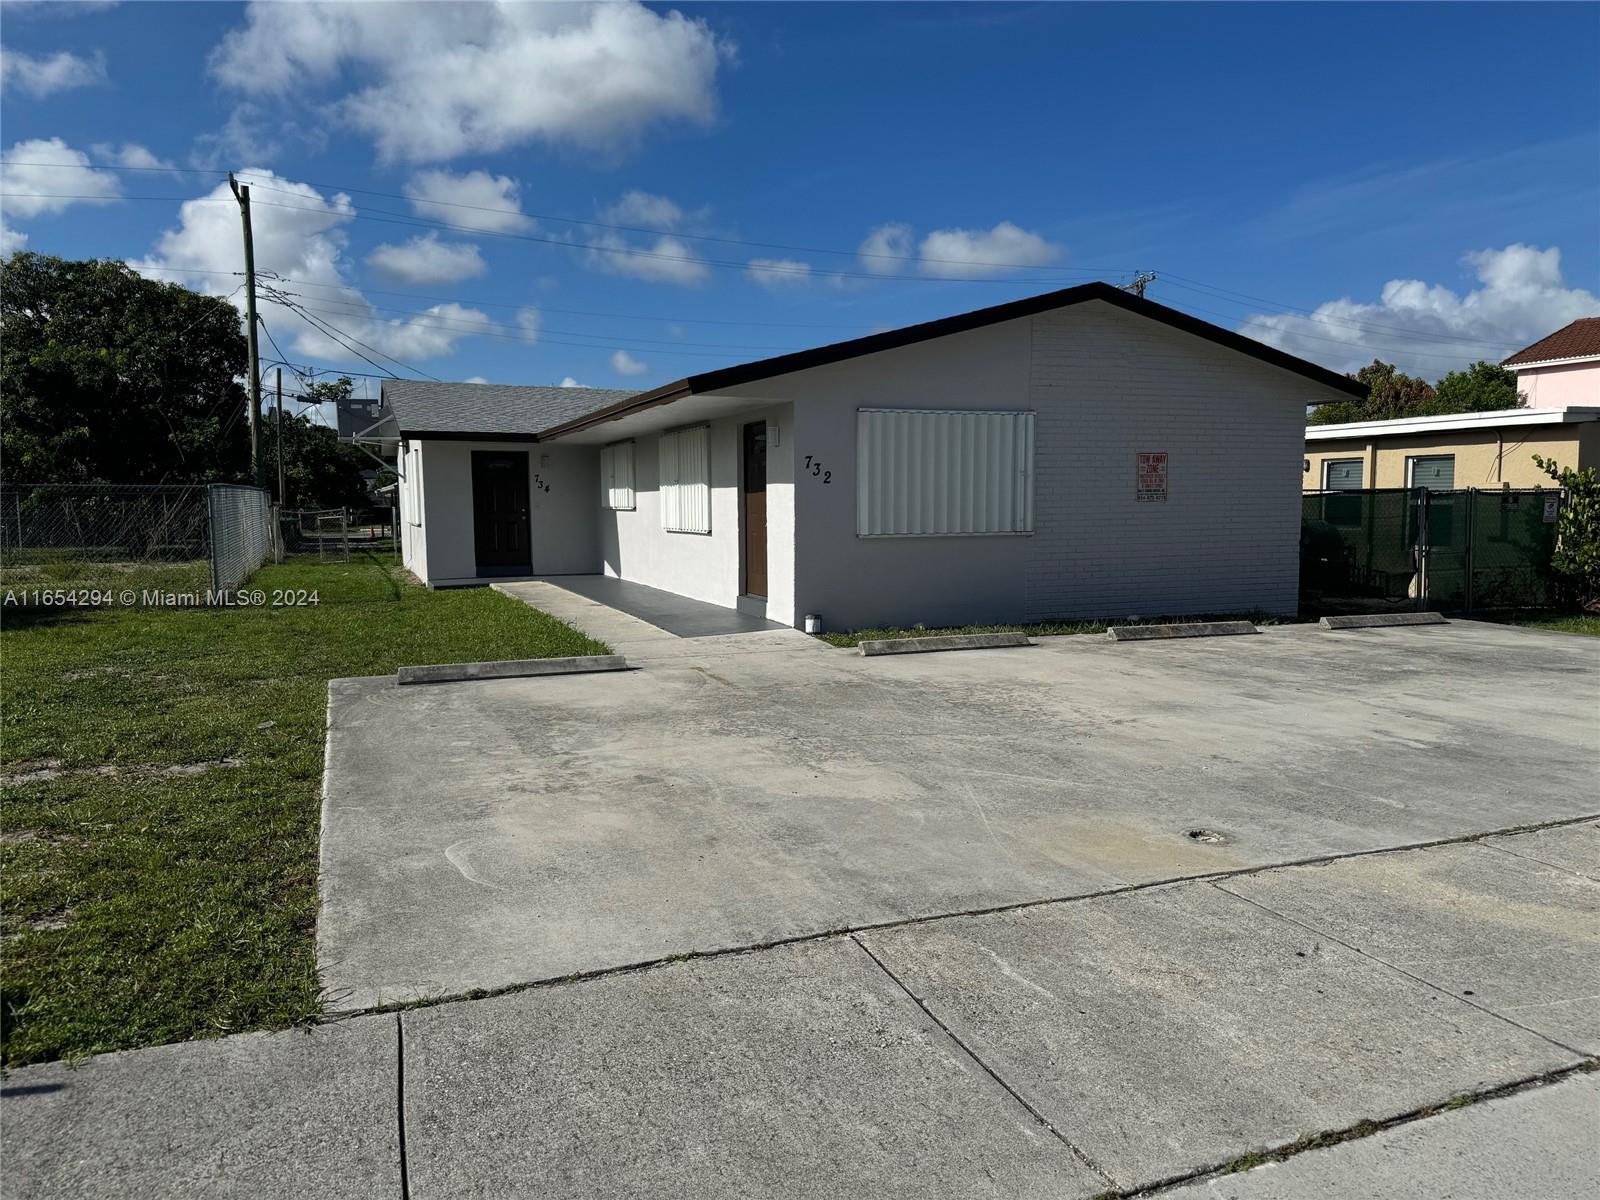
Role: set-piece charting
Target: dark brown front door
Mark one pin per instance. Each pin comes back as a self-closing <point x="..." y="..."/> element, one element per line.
<point x="755" y="509"/>
<point x="500" y="512"/>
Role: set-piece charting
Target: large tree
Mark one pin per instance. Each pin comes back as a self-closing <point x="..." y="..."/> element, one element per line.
<point x="106" y="376"/>
<point x="1482" y="387"/>
<point x="1392" y="394"/>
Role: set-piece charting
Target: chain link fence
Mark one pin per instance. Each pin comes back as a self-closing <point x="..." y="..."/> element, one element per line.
<point x="129" y="538"/>
<point x="241" y="533"/>
<point x="1468" y="550"/>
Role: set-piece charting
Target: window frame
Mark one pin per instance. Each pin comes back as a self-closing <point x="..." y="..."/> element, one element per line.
<point x="1411" y="465"/>
<point x="672" y="504"/>
<point x="1023" y="461"/>
<point x="1360" y="462"/>
<point x="609" y="487"/>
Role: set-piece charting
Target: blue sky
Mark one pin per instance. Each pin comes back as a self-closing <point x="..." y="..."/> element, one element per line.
<point x="1420" y="183"/>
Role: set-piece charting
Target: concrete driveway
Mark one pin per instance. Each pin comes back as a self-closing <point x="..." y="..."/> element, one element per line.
<point x="744" y="791"/>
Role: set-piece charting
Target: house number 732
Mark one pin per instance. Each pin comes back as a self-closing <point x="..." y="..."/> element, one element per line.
<point x="814" y="467"/>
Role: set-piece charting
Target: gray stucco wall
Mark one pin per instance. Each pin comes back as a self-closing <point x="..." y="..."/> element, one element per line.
<point x="1105" y="385"/>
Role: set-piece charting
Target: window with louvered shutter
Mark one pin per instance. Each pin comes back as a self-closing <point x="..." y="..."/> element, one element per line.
<point x="1341" y="475"/>
<point x="616" y="476"/>
<point x="923" y="473"/>
<point x="685" y="480"/>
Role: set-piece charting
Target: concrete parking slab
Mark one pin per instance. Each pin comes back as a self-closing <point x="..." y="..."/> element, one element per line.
<point x="1517" y="937"/>
<point x="1574" y="848"/>
<point x="282" y="1114"/>
<point x="800" y="1072"/>
<point x="749" y="789"/>
<point x="1542" y="1143"/>
<point x="1174" y="1028"/>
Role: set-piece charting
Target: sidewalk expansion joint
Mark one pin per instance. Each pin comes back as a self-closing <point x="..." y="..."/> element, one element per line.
<point x="400" y="1103"/>
<point x="1213" y="877"/>
<point x="1352" y="1133"/>
<point x="1399" y="970"/>
<point x="1033" y="1112"/>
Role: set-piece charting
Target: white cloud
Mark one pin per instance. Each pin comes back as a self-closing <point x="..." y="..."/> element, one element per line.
<point x="964" y="253"/>
<point x="426" y="260"/>
<point x="569" y="381"/>
<point x="11" y="241"/>
<point x="666" y="259"/>
<point x="477" y="200"/>
<point x="454" y="79"/>
<point x="643" y="209"/>
<point x="624" y="363"/>
<point x="300" y="240"/>
<point x="1428" y="329"/>
<point x="778" y="273"/>
<point x="45" y="175"/>
<point x="475" y="379"/>
<point x="528" y="320"/>
<point x="45" y="75"/>
<point x="883" y="246"/>
<point x="133" y="155"/>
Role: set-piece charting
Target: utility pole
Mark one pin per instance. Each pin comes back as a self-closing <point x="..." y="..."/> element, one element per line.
<point x="1140" y="281"/>
<point x="283" y="496"/>
<point x="258" y="467"/>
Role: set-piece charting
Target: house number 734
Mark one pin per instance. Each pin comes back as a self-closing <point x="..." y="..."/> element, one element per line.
<point x="814" y="467"/>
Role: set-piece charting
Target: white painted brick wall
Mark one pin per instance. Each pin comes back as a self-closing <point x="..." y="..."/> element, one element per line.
<point x="1106" y="385"/>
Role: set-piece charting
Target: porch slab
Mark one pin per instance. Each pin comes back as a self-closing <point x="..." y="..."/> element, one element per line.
<point x="674" y="614"/>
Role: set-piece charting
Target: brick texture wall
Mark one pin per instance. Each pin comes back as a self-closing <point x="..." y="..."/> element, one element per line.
<point x="1107" y="385"/>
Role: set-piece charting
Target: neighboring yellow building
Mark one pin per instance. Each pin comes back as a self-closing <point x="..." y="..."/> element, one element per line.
<point x="1465" y="450"/>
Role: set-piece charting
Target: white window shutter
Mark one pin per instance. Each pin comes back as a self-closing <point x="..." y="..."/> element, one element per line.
<point x="685" y="487"/>
<point x="923" y="473"/>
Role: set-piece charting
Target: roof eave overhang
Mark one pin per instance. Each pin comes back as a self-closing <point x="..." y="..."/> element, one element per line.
<point x="1572" y="361"/>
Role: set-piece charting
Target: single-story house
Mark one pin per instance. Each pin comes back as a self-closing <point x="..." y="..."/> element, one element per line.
<point x="1562" y="370"/>
<point x="1461" y="450"/>
<point x="1086" y="452"/>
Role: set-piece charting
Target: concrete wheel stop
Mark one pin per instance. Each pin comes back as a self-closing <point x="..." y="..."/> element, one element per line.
<point x="1151" y="633"/>
<point x="510" y="669"/>
<point x="1382" y="620"/>
<point x="950" y="641"/>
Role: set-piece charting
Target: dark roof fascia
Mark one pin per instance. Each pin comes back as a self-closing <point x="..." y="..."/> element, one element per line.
<point x="785" y="364"/>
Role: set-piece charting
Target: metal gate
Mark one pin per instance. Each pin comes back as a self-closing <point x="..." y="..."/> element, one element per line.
<point x="1382" y="549"/>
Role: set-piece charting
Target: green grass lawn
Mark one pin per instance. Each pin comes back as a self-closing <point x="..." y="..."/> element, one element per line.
<point x="1563" y="623"/>
<point x="1046" y="628"/>
<point x="163" y="769"/>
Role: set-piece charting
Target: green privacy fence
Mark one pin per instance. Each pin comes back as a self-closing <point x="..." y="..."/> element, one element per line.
<point x="1379" y="549"/>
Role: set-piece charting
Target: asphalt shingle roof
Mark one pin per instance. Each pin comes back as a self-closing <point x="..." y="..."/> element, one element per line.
<point x="1581" y="339"/>
<point x="422" y="406"/>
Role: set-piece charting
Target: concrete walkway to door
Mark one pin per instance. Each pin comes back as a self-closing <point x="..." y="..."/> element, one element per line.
<point x="644" y="623"/>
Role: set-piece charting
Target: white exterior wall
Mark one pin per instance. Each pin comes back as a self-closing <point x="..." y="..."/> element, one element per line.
<point x="564" y="522"/>
<point x="1109" y="384"/>
<point x="1105" y="385"/>
<point x="413" y="537"/>
<point x="634" y="546"/>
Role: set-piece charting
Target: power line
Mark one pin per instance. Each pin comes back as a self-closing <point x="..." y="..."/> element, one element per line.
<point x="609" y="225"/>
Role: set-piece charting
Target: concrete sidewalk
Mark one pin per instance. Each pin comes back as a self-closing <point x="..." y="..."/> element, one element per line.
<point x="1067" y="1050"/>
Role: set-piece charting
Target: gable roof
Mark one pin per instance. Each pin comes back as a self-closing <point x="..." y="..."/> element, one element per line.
<point x="784" y="364"/>
<point x="423" y="408"/>
<point x="1581" y="339"/>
